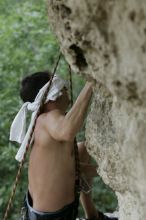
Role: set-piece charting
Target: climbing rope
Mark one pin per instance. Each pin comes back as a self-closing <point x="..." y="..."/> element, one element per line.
<point x="77" y="162"/>
<point x="28" y="144"/>
<point x="71" y="83"/>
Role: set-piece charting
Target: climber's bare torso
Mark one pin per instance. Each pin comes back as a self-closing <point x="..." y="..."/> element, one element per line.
<point x="51" y="170"/>
<point x="51" y="165"/>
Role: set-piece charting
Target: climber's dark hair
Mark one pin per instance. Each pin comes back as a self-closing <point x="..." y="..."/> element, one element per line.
<point x="31" y="85"/>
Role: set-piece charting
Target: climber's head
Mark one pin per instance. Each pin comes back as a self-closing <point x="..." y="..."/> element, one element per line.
<point x="31" y="85"/>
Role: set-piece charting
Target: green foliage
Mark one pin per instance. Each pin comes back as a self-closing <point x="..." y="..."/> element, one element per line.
<point x="27" y="45"/>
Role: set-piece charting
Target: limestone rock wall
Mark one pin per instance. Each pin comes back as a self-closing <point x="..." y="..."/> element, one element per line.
<point x="106" y="40"/>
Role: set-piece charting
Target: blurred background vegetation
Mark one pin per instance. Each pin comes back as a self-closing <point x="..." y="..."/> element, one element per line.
<point x="27" y="45"/>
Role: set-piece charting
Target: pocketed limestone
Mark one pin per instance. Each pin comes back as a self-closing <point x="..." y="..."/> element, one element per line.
<point x="105" y="40"/>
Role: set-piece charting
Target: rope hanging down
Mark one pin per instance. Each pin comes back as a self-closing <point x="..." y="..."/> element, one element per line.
<point x="28" y="145"/>
<point x="77" y="162"/>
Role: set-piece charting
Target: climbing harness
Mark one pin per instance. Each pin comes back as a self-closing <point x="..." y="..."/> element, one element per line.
<point x="77" y="165"/>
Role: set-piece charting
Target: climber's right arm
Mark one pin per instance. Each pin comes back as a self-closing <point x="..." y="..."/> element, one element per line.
<point x="65" y="127"/>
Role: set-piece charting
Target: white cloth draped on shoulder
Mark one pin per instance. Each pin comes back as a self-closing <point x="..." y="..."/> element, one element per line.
<point x="18" y="128"/>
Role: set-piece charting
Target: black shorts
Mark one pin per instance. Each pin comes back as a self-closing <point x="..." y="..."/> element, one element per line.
<point x="68" y="212"/>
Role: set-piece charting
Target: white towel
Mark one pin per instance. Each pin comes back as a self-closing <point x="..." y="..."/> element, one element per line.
<point x="18" y="128"/>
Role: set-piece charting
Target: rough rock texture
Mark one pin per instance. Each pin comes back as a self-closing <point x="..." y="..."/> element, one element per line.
<point x="106" y="40"/>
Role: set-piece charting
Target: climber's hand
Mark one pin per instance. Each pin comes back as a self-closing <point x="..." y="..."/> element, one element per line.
<point x="91" y="81"/>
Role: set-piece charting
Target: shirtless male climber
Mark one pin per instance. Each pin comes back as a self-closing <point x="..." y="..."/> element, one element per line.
<point x="51" y="171"/>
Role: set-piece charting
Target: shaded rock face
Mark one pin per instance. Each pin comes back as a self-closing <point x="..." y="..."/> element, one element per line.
<point x="106" y="40"/>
